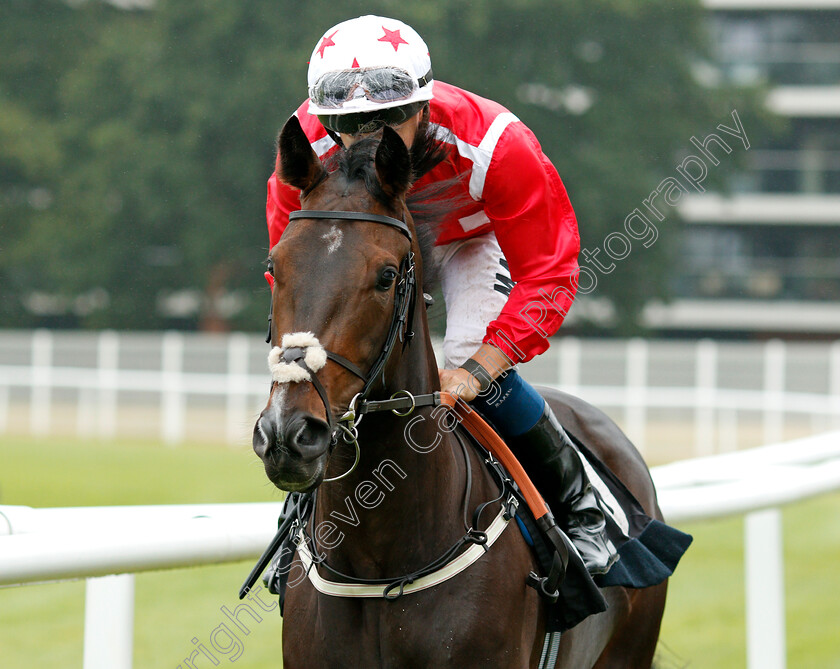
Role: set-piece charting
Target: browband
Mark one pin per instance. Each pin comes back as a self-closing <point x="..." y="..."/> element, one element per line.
<point x="402" y="226"/>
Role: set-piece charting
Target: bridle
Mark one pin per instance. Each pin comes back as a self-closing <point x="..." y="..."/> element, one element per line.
<point x="405" y="299"/>
<point x="401" y="403"/>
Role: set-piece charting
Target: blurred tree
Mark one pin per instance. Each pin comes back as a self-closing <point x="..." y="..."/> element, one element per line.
<point x="608" y="86"/>
<point x="38" y="42"/>
<point x="134" y="145"/>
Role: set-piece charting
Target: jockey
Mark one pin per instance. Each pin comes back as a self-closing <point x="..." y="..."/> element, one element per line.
<point x="508" y="257"/>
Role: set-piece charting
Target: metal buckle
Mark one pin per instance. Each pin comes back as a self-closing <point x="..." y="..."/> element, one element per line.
<point x="410" y="409"/>
<point x="350" y="434"/>
<point x="511" y="507"/>
<point x="350" y="415"/>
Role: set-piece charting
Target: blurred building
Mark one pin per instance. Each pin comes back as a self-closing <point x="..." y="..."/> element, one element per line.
<point x="765" y="257"/>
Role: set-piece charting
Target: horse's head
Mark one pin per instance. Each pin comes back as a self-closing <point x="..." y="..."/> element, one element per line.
<point x="343" y="280"/>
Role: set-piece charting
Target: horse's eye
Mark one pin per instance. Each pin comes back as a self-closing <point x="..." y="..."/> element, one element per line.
<point x="386" y="278"/>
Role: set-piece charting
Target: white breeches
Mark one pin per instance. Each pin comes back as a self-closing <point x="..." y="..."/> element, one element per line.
<point x="476" y="284"/>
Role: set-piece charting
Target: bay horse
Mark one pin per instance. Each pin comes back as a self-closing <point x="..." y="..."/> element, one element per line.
<point x="346" y="277"/>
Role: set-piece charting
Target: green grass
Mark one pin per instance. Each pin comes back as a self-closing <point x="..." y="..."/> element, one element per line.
<point x="704" y="619"/>
<point x="42" y="626"/>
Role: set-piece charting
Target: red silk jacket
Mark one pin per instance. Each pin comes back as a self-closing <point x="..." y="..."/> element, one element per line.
<point x="515" y="192"/>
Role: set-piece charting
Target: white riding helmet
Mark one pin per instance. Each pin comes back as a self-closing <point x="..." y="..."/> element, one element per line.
<point x="367" y="65"/>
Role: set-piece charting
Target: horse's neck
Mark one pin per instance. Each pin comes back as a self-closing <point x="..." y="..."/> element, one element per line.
<point x="410" y="480"/>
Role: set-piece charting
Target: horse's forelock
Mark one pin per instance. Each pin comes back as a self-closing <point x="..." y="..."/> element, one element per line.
<point x="356" y="163"/>
<point x="429" y="206"/>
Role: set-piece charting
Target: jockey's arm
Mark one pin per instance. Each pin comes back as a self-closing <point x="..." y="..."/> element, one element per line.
<point x="537" y="231"/>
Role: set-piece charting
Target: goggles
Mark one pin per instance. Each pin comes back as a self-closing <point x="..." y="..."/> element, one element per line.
<point x="377" y="84"/>
<point x="365" y="122"/>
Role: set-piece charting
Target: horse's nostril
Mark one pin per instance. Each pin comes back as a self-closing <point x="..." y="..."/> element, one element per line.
<point x="306" y="436"/>
<point x="263" y="436"/>
<point x="310" y="437"/>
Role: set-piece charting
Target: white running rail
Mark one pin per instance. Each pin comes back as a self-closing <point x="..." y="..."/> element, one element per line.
<point x="63" y="382"/>
<point x="98" y="542"/>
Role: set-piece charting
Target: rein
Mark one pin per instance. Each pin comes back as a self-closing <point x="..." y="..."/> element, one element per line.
<point x="514" y="485"/>
<point x="303" y="353"/>
<point x="438" y="570"/>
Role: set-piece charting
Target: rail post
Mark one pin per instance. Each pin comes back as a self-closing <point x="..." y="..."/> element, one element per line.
<point x="569" y="364"/>
<point x="40" y="411"/>
<point x="636" y="392"/>
<point x="774" y="388"/>
<point x="706" y="356"/>
<point x="107" y="364"/>
<point x="765" y="593"/>
<point x="172" y="398"/>
<point x="834" y="383"/>
<point x="109" y="622"/>
<point x="237" y="390"/>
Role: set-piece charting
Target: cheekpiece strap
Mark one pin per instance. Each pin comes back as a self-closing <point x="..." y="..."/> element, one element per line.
<point x="349" y="366"/>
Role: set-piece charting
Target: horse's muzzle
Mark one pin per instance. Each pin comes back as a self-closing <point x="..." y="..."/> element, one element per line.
<point x="294" y="455"/>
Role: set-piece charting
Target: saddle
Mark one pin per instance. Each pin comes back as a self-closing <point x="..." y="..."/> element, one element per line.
<point x="648" y="549"/>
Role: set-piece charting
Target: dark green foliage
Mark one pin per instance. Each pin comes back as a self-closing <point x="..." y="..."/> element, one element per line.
<point x="135" y="145"/>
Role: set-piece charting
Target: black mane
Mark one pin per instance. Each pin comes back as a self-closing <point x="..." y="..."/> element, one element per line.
<point x="429" y="206"/>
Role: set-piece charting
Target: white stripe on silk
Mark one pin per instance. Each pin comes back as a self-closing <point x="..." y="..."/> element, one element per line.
<point x="473" y="221"/>
<point x="319" y="146"/>
<point x="482" y="154"/>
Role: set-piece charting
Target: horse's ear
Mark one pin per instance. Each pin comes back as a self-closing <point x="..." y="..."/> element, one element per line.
<point x="393" y="163"/>
<point x="298" y="164"/>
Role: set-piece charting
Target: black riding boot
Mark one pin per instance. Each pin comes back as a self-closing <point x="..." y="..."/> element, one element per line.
<point x="553" y="462"/>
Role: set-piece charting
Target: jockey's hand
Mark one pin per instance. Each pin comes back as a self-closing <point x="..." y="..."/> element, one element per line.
<point x="459" y="382"/>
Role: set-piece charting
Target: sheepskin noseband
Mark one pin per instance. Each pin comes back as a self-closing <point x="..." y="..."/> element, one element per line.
<point x="282" y="360"/>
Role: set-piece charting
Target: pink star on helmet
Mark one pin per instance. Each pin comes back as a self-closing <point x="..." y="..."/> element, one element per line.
<point x="327" y="41"/>
<point x="392" y="37"/>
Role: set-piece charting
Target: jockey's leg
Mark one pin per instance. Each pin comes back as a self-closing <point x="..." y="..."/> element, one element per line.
<point x="532" y="431"/>
<point x="476" y="283"/>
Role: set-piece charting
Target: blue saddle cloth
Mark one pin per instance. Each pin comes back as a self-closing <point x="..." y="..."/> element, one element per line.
<point x="648" y="554"/>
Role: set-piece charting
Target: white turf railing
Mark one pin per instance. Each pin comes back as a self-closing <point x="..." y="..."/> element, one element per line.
<point x="56" y="544"/>
<point x="44" y="367"/>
